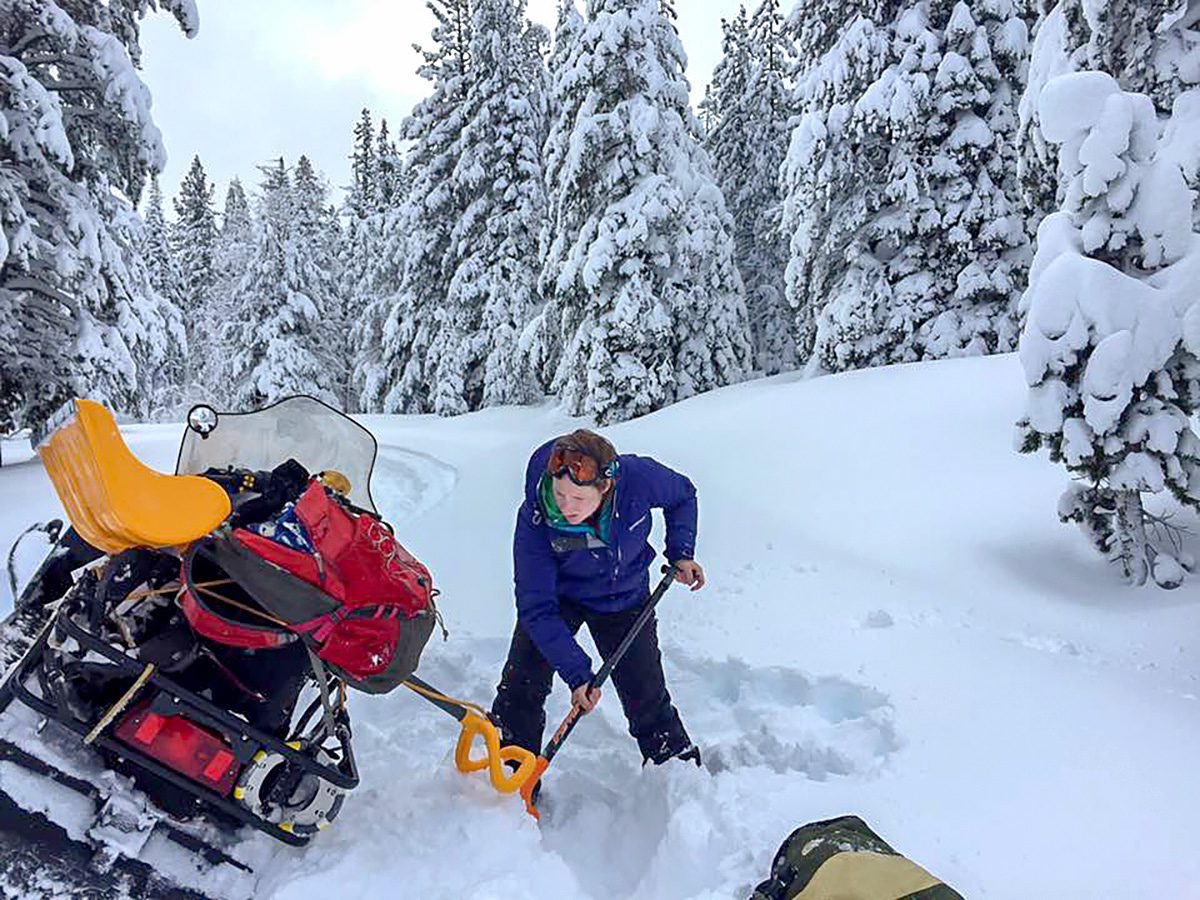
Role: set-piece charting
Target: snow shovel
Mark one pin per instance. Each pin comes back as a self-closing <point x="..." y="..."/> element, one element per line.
<point x="476" y="723"/>
<point x="568" y="724"/>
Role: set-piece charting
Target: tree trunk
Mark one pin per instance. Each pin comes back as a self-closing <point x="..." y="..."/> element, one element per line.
<point x="1131" y="549"/>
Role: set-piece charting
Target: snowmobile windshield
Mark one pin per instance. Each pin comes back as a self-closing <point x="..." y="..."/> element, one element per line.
<point x="301" y="428"/>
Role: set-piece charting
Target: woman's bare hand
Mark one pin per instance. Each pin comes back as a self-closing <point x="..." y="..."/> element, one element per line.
<point x="690" y="572"/>
<point x="585" y="697"/>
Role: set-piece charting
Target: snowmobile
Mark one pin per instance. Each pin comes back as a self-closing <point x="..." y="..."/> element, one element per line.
<point x="181" y="659"/>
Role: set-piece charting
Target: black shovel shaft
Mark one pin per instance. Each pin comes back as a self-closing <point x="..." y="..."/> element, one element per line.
<point x="635" y="629"/>
<point x="434" y="696"/>
<point x="573" y="717"/>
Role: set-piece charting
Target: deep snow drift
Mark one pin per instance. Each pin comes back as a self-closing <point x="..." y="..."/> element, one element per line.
<point x="896" y="626"/>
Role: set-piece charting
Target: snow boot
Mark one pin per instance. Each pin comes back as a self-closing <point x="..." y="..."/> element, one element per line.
<point x="690" y="754"/>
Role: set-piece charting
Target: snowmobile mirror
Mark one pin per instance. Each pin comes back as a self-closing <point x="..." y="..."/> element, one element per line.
<point x="202" y="419"/>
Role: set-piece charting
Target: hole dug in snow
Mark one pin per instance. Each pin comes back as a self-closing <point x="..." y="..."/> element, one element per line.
<point x="675" y="830"/>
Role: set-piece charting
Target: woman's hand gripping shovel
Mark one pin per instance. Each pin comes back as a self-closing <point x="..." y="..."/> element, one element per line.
<point x="541" y="763"/>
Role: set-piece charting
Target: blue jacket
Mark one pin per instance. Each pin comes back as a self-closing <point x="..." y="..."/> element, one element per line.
<point x="607" y="575"/>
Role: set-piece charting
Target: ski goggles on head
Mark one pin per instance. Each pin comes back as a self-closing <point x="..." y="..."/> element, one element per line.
<point x="578" y="465"/>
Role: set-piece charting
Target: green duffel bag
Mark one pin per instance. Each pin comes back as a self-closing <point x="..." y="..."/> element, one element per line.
<point x="843" y="859"/>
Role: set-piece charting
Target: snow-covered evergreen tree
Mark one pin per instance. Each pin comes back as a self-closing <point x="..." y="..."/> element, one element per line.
<point x="360" y="311"/>
<point x="245" y="333"/>
<point x="816" y="26"/>
<point x="977" y="252"/>
<point x="232" y="252"/>
<point x="236" y="219"/>
<point x="316" y="238"/>
<point x="78" y="315"/>
<point x="831" y="182"/>
<point x="640" y="266"/>
<point x="372" y="265"/>
<point x="195" y="234"/>
<point x="278" y="336"/>
<point x="359" y="256"/>
<point x="541" y="343"/>
<point x="748" y="142"/>
<point x="726" y="131"/>
<point x="363" y="167"/>
<point x="908" y="230"/>
<point x="567" y="28"/>
<point x="759" y="203"/>
<point x="156" y="251"/>
<point x="417" y="234"/>
<point x="1150" y="47"/>
<point x="706" y="113"/>
<point x="537" y="50"/>
<point x="1111" y="346"/>
<point x="169" y="379"/>
<point x="194" y="238"/>
<point x="389" y="178"/>
<point x="234" y="241"/>
<point x="149" y="324"/>
<point x="472" y="359"/>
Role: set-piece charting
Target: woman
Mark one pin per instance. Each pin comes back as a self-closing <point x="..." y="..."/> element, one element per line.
<point x="581" y="555"/>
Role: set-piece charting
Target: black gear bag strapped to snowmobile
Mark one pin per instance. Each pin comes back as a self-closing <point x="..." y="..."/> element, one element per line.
<point x="843" y="858"/>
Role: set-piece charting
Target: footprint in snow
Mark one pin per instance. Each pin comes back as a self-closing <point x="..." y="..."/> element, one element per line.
<point x="620" y="829"/>
<point x="781" y="718"/>
<point x="740" y="715"/>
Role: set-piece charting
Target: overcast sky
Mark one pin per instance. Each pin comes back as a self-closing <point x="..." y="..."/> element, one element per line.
<point x="266" y="78"/>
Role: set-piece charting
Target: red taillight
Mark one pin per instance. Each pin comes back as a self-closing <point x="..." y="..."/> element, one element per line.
<point x="182" y="745"/>
<point x="149" y="729"/>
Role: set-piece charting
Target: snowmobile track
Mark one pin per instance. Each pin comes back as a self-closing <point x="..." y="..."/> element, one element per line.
<point x="38" y="861"/>
<point x="30" y="836"/>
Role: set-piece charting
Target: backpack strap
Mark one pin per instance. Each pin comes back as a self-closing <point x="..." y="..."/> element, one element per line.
<point x="321" y="627"/>
<point x="323" y="687"/>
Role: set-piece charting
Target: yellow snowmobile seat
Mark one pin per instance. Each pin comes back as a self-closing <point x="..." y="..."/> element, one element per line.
<point x="113" y="500"/>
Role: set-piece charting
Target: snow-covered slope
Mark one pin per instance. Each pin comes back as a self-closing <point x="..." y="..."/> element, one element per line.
<point x="896" y="626"/>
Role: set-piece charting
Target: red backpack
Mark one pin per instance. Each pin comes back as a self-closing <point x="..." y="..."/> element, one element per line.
<point x="362" y="602"/>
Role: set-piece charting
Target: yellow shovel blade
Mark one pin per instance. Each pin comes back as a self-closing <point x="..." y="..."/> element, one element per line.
<point x="113" y="500"/>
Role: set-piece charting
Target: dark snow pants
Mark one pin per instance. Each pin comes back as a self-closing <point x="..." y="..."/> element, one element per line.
<point x="520" y="704"/>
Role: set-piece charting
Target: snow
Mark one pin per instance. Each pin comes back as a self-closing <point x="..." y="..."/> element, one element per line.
<point x="1133" y="327"/>
<point x="971" y="131"/>
<point x="185" y="12"/>
<point x="896" y="626"/>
